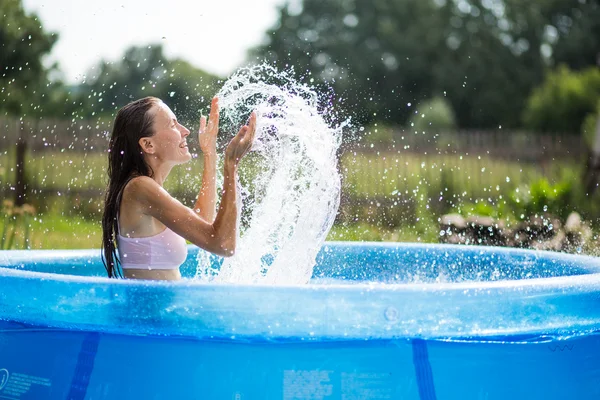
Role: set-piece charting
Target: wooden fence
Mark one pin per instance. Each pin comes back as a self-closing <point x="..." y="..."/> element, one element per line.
<point x="519" y="146"/>
<point x="57" y="135"/>
<point x="92" y="136"/>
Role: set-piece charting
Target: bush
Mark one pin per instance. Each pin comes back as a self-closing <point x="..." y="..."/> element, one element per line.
<point x="497" y="210"/>
<point x="563" y="101"/>
<point x="433" y="116"/>
<point x="542" y="197"/>
<point x="537" y="198"/>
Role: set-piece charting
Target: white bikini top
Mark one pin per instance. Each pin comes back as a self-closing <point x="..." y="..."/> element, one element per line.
<point x="167" y="250"/>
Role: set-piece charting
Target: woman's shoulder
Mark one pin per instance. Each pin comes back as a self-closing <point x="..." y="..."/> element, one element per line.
<point x="139" y="186"/>
<point x="143" y="194"/>
<point x="141" y="181"/>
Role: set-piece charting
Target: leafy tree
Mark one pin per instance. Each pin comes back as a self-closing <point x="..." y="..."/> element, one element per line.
<point x="353" y="46"/>
<point x="188" y="89"/>
<point x="574" y="31"/>
<point x="563" y="101"/>
<point x="144" y="71"/>
<point x="23" y="44"/>
<point x="381" y="55"/>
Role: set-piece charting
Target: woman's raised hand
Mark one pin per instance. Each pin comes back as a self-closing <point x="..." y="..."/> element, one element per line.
<point x="207" y="136"/>
<point x="242" y="142"/>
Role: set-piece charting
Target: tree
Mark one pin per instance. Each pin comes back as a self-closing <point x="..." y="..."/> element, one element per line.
<point x="23" y="44"/>
<point x="189" y="89"/>
<point x="383" y="56"/>
<point x="563" y="101"/>
<point x="144" y="71"/>
<point x="574" y="31"/>
<point x="353" y="47"/>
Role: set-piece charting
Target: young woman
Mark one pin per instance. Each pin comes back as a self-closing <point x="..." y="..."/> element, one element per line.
<point x="144" y="228"/>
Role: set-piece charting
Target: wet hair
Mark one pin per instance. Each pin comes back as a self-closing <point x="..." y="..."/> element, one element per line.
<point x="125" y="161"/>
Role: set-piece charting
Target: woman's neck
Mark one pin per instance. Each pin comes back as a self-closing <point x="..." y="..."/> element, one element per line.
<point x="160" y="169"/>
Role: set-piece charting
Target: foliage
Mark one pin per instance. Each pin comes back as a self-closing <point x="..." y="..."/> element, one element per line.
<point x="498" y="209"/>
<point x="542" y="197"/>
<point x="433" y="116"/>
<point x="189" y="89"/>
<point x="563" y="101"/>
<point x="144" y="71"/>
<point x="23" y="44"/>
<point x="379" y="56"/>
<point x="574" y="30"/>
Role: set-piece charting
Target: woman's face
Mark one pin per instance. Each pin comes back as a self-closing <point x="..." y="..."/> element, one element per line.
<point x="170" y="136"/>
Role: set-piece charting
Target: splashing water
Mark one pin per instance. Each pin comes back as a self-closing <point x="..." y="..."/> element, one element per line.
<point x="291" y="202"/>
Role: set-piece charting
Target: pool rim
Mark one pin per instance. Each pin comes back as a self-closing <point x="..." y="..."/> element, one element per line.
<point x="560" y="305"/>
<point x="24" y="256"/>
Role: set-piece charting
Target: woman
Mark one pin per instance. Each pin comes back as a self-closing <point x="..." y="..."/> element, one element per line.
<point x="144" y="228"/>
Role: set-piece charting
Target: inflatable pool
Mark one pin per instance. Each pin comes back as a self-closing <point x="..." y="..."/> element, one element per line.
<point x="377" y="321"/>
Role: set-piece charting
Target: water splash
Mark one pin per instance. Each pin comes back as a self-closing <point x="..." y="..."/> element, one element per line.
<point x="291" y="201"/>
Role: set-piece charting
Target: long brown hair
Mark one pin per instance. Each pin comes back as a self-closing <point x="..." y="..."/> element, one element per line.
<point x="125" y="161"/>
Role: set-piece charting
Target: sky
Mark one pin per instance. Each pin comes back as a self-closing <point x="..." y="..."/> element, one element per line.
<point x="211" y="35"/>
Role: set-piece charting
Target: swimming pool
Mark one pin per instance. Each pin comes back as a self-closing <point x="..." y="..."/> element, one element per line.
<point x="378" y="321"/>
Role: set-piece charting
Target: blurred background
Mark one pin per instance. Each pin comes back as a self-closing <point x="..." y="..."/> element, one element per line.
<point x="472" y="121"/>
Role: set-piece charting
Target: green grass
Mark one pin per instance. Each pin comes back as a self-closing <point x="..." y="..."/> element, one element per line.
<point x="54" y="231"/>
<point x="367" y="175"/>
<point x="365" y="232"/>
<point x="388" y="174"/>
<point x="59" y="170"/>
<point x="68" y="221"/>
<point x="71" y="171"/>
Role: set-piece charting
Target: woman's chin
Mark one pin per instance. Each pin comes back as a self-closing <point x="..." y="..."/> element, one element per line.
<point x="186" y="156"/>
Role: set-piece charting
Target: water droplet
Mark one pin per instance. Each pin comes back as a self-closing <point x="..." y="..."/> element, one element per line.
<point x="391" y="314"/>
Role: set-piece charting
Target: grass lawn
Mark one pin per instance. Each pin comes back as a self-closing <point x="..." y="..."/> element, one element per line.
<point x="365" y="174"/>
<point x="378" y="176"/>
<point x="53" y="231"/>
<point x="386" y="174"/>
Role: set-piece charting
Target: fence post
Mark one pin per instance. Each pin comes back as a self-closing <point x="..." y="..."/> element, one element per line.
<point x="20" y="180"/>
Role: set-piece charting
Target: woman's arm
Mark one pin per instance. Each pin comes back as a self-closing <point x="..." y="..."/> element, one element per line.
<point x="205" y="203"/>
<point x="218" y="237"/>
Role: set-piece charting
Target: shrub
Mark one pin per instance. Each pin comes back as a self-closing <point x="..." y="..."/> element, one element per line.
<point x="433" y="116"/>
<point x="542" y="197"/>
<point x="562" y="102"/>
